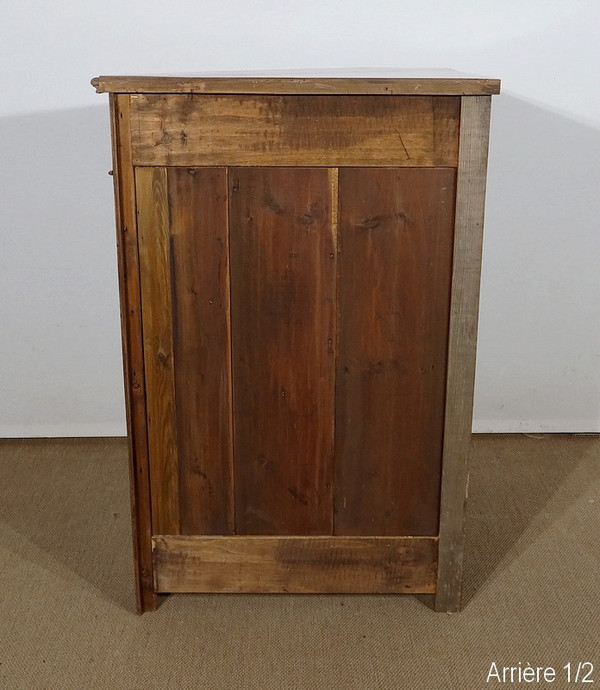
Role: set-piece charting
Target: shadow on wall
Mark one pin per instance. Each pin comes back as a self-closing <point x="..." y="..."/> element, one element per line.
<point x="539" y="335"/>
<point x="61" y="372"/>
<point x="539" y="348"/>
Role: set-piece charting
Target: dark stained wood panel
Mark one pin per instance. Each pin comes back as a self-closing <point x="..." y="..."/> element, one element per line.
<point x="295" y="564"/>
<point x="295" y="130"/>
<point x="199" y="263"/>
<point x="283" y="269"/>
<point x="395" y="241"/>
<point x="155" y="282"/>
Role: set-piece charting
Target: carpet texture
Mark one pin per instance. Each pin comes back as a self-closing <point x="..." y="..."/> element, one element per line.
<point x="67" y="620"/>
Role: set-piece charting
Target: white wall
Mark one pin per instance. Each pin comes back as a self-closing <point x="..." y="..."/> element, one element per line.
<point x="539" y="353"/>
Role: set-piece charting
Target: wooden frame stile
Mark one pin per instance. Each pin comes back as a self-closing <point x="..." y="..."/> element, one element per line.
<point x="133" y="355"/>
<point x="462" y="344"/>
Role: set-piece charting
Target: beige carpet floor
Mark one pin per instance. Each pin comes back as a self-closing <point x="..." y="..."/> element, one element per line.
<point x="67" y="620"/>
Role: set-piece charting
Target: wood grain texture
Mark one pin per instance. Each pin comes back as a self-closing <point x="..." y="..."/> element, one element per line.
<point x="283" y="321"/>
<point x="199" y="280"/>
<point x="155" y="279"/>
<point x="410" y="84"/>
<point x="395" y="244"/>
<point x="295" y="130"/>
<point x="133" y="355"/>
<point x="470" y="203"/>
<point x="289" y="236"/>
<point x="295" y="564"/>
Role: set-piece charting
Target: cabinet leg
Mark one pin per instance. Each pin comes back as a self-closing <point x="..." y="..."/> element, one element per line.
<point x="146" y="601"/>
<point x="448" y="598"/>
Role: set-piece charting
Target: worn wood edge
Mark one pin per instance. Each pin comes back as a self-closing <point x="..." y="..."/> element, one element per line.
<point x="334" y="191"/>
<point x="462" y="344"/>
<point x="442" y="86"/>
<point x="133" y="357"/>
<point x="333" y="178"/>
<point x="288" y="564"/>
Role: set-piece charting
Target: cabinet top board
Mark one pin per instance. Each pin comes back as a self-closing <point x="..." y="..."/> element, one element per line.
<point x="398" y="82"/>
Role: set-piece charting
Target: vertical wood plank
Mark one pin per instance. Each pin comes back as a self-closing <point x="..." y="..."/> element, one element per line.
<point x="133" y="356"/>
<point x="470" y="204"/>
<point x="283" y="330"/>
<point x="395" y="244"/>
<point x="201" y="341"/>
<point x="156" y="286"/>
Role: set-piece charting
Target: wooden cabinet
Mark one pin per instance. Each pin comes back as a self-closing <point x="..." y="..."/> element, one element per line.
<point x="299" y="270"/>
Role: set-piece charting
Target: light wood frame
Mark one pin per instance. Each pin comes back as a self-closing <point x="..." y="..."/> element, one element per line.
<point x="462" y="344"/>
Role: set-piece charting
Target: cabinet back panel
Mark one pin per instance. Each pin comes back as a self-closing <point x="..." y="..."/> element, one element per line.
<point x="395" y="241"/>
<point x="326" y="384"/>
<point x="325" y="131"/>
<point x="283" y="330"/>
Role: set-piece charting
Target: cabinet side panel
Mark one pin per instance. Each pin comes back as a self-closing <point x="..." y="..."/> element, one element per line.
<point x="395" y="243"/>
<point x="470" y="204"/>
<point x="283" y="331"/>
<point x="156" y="286"/>
<point x="133" y="357"/>
<point x="200" y="294"/>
